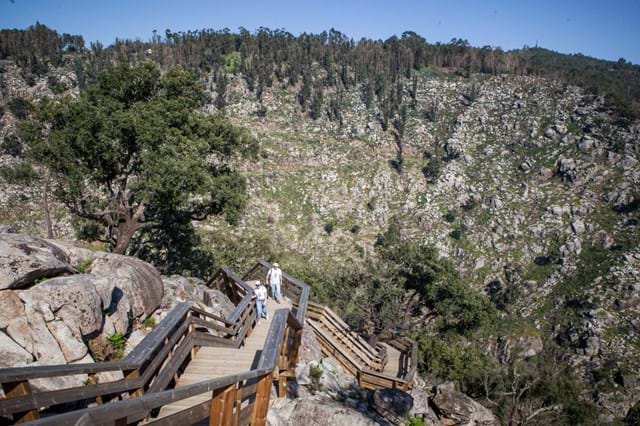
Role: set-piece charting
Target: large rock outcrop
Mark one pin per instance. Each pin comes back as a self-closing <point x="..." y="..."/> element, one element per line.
<point x="25" y="259"/>
<point x="52" y="314"/>
<point x="392" y="404"/>
<point x="315" y="410"/>
<point x="456" y="408"/>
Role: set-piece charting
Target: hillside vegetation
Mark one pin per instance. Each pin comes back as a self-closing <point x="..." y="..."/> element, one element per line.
<point x="482" y="202"/>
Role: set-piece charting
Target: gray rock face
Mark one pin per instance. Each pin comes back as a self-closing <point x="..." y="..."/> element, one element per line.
<point x="74" y="300"/>
<point x="309" y="347"/>
<point x="218" y="302"/>
<point x="392" y="404"/>
<point x="522" y="347"/>
<point x="140" y="281"/>
<point x="566" y="168"/>
<point x="177" y="289"/>
<point x="315" y="411"/>
<point x="455" y="408"/>
<point x="12" y="354"/>
<point x="72" y="347"/>
<point x="24" y="259"/>
<point x="54" y="321"/>
<point x="38" y="340"/>
<point x="421" y="407"/>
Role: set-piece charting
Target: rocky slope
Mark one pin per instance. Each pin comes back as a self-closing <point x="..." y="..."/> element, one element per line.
<point x="61" y="303"/>
<point x="538" y="187"/>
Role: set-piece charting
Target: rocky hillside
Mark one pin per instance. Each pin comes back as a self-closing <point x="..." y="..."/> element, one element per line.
<point x="62" y="303"/>
<point x="530" y="186"/>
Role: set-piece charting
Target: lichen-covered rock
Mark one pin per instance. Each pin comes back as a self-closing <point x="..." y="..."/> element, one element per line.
<point x="309" y="350"/>
<point x="218" y="302"/>
<point x="25" y="259"/>
<point x="315" y="410"/>
<point x="11" y="353"/>
<point x="392" y="404"/>
<point x="72" y="347"/>
<point x="74" y="300"/>
<point x="455" y="408"/>
<point x="37" y="339"/>
<point x="179" y="289"/>
<point x="138" y="280"/>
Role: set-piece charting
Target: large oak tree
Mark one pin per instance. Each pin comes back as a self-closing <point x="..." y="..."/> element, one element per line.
<point x="133" y="149"/>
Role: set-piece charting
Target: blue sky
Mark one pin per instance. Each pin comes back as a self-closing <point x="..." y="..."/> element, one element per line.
<point x="604" y="29"/>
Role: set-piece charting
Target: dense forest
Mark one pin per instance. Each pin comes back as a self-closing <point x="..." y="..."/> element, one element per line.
<point x="267" y="55"/>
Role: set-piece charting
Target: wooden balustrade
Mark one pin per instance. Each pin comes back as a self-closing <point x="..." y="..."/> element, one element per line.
<point x="152" y="369"/>
<point x="152" y="366"/>
<point x="236" y="399"/>
<point x="365" y="362"/>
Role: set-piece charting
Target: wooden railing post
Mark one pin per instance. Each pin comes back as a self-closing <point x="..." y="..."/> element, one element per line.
<point x="261" y="404"/>
<point x="13" y="389"/>
<point x="132" y="375"/>
<point x="222" y="404"/>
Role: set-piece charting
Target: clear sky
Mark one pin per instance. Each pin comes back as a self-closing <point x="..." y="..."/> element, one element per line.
<point x="607" y="29"/>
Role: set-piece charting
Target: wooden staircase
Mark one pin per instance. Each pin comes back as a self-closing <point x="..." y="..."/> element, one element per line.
<point x="198" y="368"/>
<point x="390" y="365"/>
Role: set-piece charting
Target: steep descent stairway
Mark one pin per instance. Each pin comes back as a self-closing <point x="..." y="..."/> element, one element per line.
<point x="218" y="361"/>
<point x="196" y="367"/>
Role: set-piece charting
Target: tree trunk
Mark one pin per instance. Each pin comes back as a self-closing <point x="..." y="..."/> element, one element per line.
<point x="124" y="231"/>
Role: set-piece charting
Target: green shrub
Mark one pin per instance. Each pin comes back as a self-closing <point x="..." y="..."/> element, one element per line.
<point x="449" y="217"/>
<point x="84" y="265"/>
<point x="57" y="87"/>
<point x="117" y="342"/>
<point x="18" y="174"/>
<point x="20" y="107"/>
<point x="414" y="421"/>
<point x="232" y="62"/>
<point x="432" y="169"/>
<point x="329" y="227"/>
<point x="149" y="322"/>
<point x="315" y="374"/>
<point x="12" y="146"/>
<point x="456" y="234"/>
<point x="355" y="229"/>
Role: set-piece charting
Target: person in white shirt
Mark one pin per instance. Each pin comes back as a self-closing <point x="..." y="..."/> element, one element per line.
<point x="274" y="278"/>
<point x="261" y="301"/>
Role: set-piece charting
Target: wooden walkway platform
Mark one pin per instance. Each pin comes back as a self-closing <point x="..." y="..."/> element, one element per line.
<point x="213" y="362"/>
<point x="394" y="365"/>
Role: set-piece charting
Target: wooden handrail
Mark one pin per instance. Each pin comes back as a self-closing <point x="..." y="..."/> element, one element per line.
<point x="235" y="399"/>
<point x="128" y="411"/>
<point x="364" y="361"/>
<point x="174" y="336"/>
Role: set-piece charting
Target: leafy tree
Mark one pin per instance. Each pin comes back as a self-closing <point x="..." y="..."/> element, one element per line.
<point x="133" y="149"/>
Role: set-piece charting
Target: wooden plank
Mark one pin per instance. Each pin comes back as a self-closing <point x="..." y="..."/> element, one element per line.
<point x="212" y="316"/>
<point x="261" y="405"/>
<point x="222" y="406"/>
<point x="23" y="388"/>
<point x="49" y="398"/>
<point x="213" y="326"/>
<point x="140" y="406"/>
<point x="187" y="416"/>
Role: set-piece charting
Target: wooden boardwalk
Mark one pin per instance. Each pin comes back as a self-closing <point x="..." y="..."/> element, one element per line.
<point x="213" y="362"/>
<point x="393" y="366"/>
<point x="351" y="354"/>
